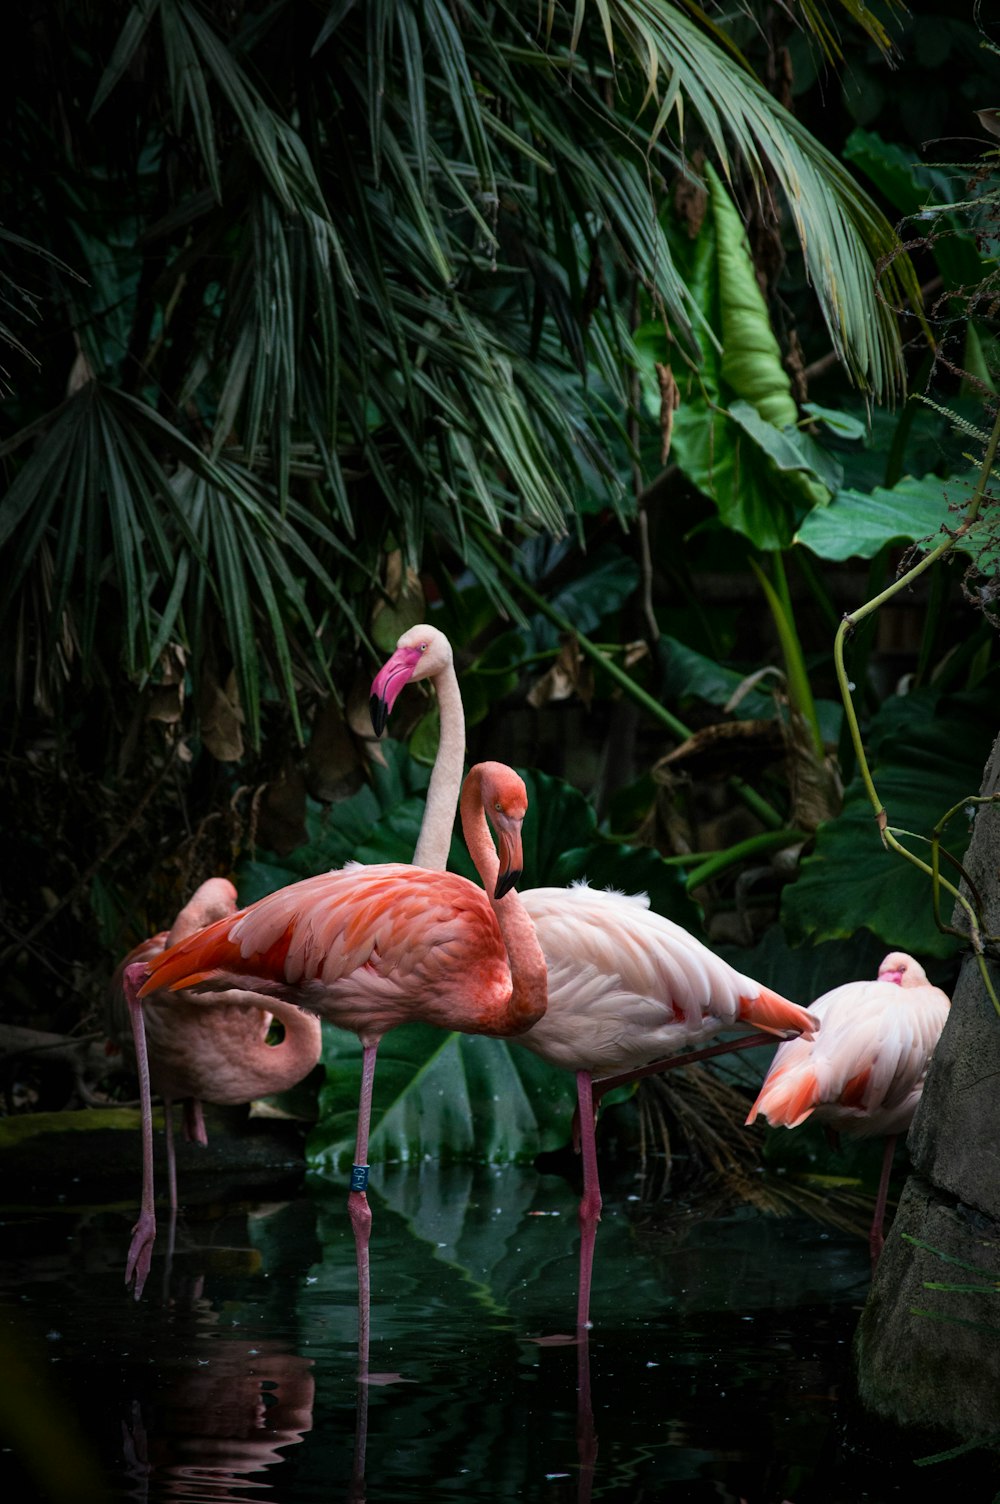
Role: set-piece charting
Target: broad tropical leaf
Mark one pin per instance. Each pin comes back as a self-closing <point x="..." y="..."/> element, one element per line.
<point x="733" y="434"/>
<point x="857" y="525"/>
<point x="441" y="1096"/>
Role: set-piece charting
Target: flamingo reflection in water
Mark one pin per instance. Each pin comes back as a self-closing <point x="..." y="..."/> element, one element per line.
<point x="227" y="1405"/>
<point x="218" y="1426"/>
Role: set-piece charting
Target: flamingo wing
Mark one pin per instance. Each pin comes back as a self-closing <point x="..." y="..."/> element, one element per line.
<point x="864" y="1070"/>
<point x="627" y="986"/>
<point x="367" y="946"/>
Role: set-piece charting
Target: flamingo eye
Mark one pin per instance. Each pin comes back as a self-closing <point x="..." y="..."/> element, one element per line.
<point x="498" y="806"/>
<point x="424" y="646"/>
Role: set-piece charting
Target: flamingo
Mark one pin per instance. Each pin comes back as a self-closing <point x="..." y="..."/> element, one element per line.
<point x="368" y="948"/>
<point x="627" y="988"/>
<point x="863" y="1071"/>
<point x="218" y="1054"/>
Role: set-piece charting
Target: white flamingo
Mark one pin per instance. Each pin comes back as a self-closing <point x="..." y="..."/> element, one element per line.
<point x="863" y="1071"/>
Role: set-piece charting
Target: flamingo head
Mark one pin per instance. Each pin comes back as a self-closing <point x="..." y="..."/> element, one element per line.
<point x="421" y="653"/>
<point x="902" y="970"/>
<point x="505" y="800"/>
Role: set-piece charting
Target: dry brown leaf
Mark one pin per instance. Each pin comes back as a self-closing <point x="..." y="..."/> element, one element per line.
<point x="80" y="372"/>
<point x="690" y="199"/>
<point x="570" y="675"/>
<point x="281" y="812"/>
<point x="816" y="789"/>
<point x="405" y="607"/>
<point x="221" y="717"/>
<point x="989" y="120"/>
<point x="333" y="764"/>
<point x="728" y="747"/>
<point x="670" y="401"/>
<point x="165" y="702"/>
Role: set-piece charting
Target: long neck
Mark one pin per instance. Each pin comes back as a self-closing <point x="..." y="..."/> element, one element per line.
<point x="434" y="841"/>
<point x="528" y="975"/>
<point x="301" y="1046"/>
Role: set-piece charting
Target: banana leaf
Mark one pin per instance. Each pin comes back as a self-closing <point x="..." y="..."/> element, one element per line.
<point x="733" y="434"/>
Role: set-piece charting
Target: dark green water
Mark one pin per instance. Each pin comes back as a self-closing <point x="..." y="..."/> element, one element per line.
<point x="718" y="1364"/>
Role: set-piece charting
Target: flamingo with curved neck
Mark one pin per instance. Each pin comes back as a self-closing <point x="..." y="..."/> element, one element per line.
<point x="628" y="989"/>
<point x="368" y="948"/>
<point x="222" y="1055"/>
<point x="863" y="1072"/>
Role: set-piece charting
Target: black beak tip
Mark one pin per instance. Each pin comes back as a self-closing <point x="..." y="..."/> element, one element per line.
<point x="379" y="711"/>
<point x="506" y="882"/>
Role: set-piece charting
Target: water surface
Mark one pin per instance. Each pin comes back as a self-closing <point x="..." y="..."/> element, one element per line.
<point x="717" y="1368"/>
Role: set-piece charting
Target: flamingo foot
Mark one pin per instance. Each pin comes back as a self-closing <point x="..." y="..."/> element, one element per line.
<point x="140" y="1253"/>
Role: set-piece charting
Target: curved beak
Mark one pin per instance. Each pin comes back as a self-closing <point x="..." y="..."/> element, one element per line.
<point x="392" y="677"/>
<point x="511" y="856"/>
<point x="891" y="976"/>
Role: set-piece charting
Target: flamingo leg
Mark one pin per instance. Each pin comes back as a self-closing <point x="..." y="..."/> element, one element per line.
<point x="194" y="1122"/>
<point x="140" y="1253"/>
<point x="168" y="1128"/>
<point x="590" y="1205"/>
<point x="876" y="1239"/>
<point x="357" y="1201"/>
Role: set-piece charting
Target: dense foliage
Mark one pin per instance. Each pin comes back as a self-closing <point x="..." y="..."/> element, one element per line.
<point x="583" y="330"/>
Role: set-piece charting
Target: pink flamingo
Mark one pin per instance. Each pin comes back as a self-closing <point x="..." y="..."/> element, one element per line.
<point x="369" y="948"/>
<point x="627" y="987"/>
<point x="863" y="1071"/>
<point x="218" y="1054"/>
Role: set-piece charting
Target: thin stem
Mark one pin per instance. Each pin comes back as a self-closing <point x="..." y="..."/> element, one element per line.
<point x="720" y="861"/>
<point x="848" y="624"/>
<point x="799" y="689"/>
<point x="852" y="618"/>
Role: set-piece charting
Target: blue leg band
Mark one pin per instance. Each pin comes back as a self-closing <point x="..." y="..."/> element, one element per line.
<point x="359" y="1177"/>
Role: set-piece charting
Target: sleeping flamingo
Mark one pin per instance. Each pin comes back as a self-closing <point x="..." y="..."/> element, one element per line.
<point x="864" y="1070"/>
<point x="218" y="1054"/>
<point x="369" y="948"/>
<point x="627" y="987"/>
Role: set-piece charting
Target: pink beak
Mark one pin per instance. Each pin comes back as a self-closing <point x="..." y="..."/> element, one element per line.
<point x="392" y="677"/>
<point x="891" y="976"/>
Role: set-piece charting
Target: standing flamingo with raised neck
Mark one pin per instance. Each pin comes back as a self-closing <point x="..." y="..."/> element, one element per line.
<point x="863" y="1072"/>
<point x="628" y="989"/>
<point x="369" y="948"/>
<point x="220" y="1054"/>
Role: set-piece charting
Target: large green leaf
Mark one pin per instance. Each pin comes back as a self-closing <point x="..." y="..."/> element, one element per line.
<point x="857" y="524"/>
<point x="600" y="585"/>
<point x="927" y="752"/>
<point x="734" y="434"/>
<point x="441" y="1096"/>
<point x="689" y="675"/>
